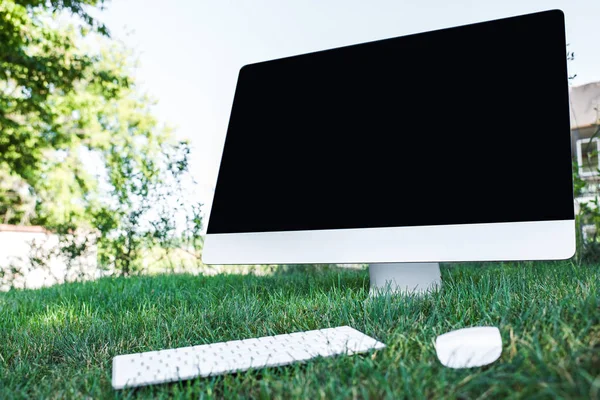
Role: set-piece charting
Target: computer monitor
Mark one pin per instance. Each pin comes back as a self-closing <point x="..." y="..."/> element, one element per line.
<point x="444" y="146"/>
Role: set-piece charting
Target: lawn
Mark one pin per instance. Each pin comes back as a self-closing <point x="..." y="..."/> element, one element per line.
<point x="58" y="342"/>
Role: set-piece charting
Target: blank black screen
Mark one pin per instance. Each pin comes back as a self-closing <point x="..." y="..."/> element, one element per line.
<point x="457" y="126"/>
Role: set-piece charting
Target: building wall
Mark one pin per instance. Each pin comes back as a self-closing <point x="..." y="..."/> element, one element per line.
<point x="17" y="269"/>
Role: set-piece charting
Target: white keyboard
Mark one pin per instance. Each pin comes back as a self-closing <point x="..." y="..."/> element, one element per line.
<point x="172" y="365"/>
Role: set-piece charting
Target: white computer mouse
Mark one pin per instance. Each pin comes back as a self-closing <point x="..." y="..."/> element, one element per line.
<point x="469" y="347"/>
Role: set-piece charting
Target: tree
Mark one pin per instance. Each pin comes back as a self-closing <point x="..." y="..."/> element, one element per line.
<point x="79" y="145"/>
<point x="40" y="64"/>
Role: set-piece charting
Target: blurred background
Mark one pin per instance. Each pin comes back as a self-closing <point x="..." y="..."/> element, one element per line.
<point x="113" y="116"/>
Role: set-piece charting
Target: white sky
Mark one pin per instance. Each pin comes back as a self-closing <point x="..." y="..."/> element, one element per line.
<point x="191" y="50"/>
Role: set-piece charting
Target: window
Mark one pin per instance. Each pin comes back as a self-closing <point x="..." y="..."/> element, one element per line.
<point x="587" y="156"/>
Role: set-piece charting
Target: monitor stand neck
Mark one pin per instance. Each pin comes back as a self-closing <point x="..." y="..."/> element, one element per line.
<point x="404" y="278"/>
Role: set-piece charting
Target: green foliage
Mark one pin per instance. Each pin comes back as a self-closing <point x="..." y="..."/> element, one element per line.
<point x="80" y="149"/>
<point x="39" y="64"/>
<point x="147" y="186"/>
<point x="42" y="73"/>
<point x="588" y="217"/>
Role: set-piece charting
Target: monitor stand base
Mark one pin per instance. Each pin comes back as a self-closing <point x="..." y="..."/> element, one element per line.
<point x="404" y="278"/>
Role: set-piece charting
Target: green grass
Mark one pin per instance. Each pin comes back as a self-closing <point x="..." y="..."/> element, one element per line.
<point x="58" y="342"/>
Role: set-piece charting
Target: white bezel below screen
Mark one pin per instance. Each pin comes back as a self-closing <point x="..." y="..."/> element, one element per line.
<point x="510" y="241"/>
